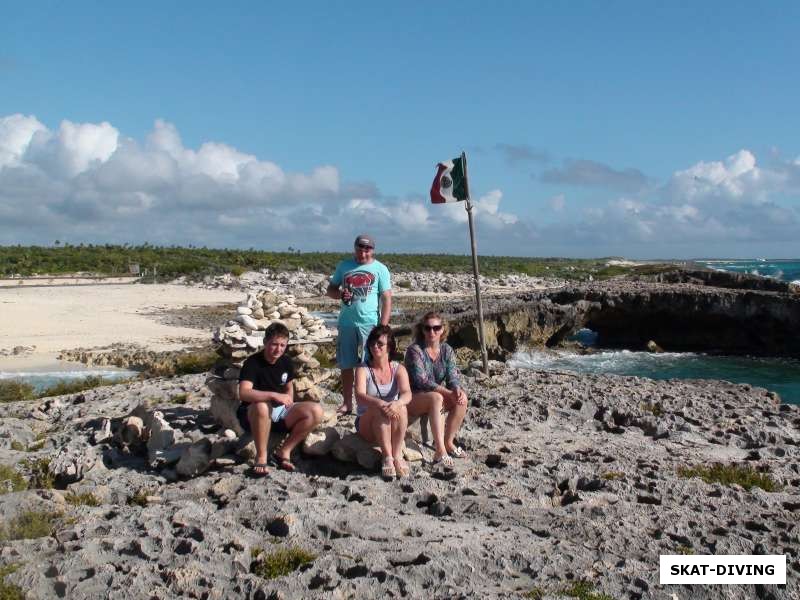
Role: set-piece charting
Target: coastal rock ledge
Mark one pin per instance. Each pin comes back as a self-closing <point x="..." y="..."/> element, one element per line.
<point x="567" y="478"/>
<point x="628" y="314"/>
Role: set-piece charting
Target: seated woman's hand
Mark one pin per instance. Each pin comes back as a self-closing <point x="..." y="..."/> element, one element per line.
<point x="461" y="397"/>
<point x="391" y="410"/>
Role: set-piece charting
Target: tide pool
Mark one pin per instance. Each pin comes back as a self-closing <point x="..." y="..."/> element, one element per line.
<point x="41" y="380"/>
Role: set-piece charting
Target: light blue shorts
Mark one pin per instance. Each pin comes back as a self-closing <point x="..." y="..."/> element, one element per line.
<point x="351" y="346"/>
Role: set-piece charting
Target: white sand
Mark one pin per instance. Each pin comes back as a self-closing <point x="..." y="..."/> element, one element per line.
<point x="62" y="318"/>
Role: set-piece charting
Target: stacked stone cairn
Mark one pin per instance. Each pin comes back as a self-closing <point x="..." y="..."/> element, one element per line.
<point x="243" y="336"/>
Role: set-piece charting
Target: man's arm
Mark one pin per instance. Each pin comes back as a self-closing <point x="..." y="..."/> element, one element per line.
<point x="249" y="395"/>
<point x="334" y="292"/>
<point x="386" y="307"/>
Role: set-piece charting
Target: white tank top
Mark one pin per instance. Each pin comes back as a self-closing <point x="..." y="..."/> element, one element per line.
<point x="387" y="392"/>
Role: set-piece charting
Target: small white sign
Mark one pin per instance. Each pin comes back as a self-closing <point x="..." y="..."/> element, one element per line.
<point x="731" y="568"/>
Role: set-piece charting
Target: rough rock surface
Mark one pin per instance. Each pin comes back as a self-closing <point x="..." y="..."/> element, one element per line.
<point x="567" y="478"/>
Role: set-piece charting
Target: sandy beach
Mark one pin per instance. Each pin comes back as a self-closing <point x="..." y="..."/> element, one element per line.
<point x="61" y="318"/>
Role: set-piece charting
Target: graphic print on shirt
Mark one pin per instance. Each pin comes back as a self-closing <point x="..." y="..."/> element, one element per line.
<point x="359" y="283"/>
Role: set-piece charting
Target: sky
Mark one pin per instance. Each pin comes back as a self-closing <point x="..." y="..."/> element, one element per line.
<point x="634" y="129"/>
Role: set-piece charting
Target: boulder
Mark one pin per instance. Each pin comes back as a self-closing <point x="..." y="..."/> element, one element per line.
<point x="320" y="442"/>
<point x="353" y="448"/>
<point x="72" y="462"/>
<point x="223" y="410"/>
<point x="162" y="436"/>
<point x="195" y="459"/>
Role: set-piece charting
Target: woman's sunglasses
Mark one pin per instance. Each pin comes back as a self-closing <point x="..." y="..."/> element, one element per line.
<point x="433" y="327"/>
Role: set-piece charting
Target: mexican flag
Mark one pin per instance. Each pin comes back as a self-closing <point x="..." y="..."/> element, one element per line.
<point x="450" y="183"/>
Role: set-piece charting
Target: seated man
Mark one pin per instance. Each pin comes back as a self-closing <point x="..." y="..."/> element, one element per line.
<point x="267" y="402"/>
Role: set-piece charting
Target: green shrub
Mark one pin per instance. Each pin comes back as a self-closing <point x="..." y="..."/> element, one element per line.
<point x="29" y="525"/>
<point x="11" y="480"/>
<point x="15" y="390"/>
<point x="9" y="591"/>
<point x="280" y="562"/>
<point x="237" y="271"/>
<point x="654" y="409"/>
<point x="18" y="446"/>
<point x="745" y="476"/>
<point x="78" y="385"/>
<point x="583" y="590"/>
<point x="139" y="498"/>
<point x="179" y="398"/>
<point x="199" y="362"/>
<point x="612" y="475"/>
<point x="39" y="476"/>
<point x="87" y="499"/>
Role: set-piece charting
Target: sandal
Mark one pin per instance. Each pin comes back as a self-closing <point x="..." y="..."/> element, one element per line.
<point x="258" y="471"/>
<point x="403" y="470"/>
<point x="457" y="452"/>
<point x="343" y="410"/>
<point x="388" y="471"/>
<point x="445" y="460"/>
<point x="281" y="463"/>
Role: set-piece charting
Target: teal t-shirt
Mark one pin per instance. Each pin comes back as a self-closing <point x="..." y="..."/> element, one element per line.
<point x="367" y="283"/>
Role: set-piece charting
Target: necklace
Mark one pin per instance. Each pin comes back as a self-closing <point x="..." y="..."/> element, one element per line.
<point x="433" y="352"/>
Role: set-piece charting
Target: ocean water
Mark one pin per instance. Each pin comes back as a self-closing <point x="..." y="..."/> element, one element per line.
<point x="783" y="269"/>
<point x="777" y="375"/>
<point x="41" y="380"/>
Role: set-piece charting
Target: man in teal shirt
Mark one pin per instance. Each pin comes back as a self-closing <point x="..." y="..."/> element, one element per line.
<point x="364" y="286"/>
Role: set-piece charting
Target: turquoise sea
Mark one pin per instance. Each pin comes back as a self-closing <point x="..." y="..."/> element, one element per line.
<point x="785" y="269"/>
<point x="781" y="375"/>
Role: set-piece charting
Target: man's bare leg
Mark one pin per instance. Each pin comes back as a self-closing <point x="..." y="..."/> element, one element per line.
<point x="302" y="418"/>
<point x="258" y="415"/>
<point x="347" y="393"/>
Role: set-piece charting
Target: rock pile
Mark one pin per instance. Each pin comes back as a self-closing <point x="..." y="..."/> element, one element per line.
<point x="304" y="284"/>
<point x="438" y="283"/>
<point x="244" y="335"/>
<point x="300" y="283"/>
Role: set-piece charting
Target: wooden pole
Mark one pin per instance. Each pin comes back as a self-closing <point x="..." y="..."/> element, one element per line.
<point x="476" y="276"/>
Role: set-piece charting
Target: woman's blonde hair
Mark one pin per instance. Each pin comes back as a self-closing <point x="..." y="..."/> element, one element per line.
<point x="419" y="333"/>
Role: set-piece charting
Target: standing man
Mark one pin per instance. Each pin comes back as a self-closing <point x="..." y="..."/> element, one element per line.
<point x="267" y="402"/>
<point x="364" y="286"/>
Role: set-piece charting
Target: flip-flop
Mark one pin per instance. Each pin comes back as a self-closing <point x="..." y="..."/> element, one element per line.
<point x="445" y="460"/>
<point x="282" y="463"/>
<point x="254" y="474"/>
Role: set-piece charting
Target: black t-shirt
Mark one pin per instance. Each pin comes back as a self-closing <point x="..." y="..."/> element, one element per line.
<point x="266" y="377"/>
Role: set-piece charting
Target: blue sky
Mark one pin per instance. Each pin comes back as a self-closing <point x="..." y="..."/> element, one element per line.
<point x="592" y="129"/>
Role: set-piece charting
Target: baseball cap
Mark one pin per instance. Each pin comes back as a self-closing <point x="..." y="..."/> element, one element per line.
<point x="365" y="240"/>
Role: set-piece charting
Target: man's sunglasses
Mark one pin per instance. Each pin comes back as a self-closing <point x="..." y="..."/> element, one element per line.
<point x="364" y="247"/>
<point x="433" y="327"/>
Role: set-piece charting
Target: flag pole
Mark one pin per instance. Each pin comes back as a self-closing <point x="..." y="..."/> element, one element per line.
<point x="468" y="207"/>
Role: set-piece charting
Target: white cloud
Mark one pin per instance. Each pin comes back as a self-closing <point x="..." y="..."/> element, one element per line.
<point x="736" y="179"/>
<point x="16" y="132"/>
<point x="486" y="209"/>
<point x="557" y="203"/>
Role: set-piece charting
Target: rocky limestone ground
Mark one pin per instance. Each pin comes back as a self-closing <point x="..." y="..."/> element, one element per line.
<point x="568" y="478"/>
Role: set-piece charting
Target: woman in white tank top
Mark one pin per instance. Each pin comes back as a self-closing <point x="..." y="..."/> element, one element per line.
<point x="383" y="392"/>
